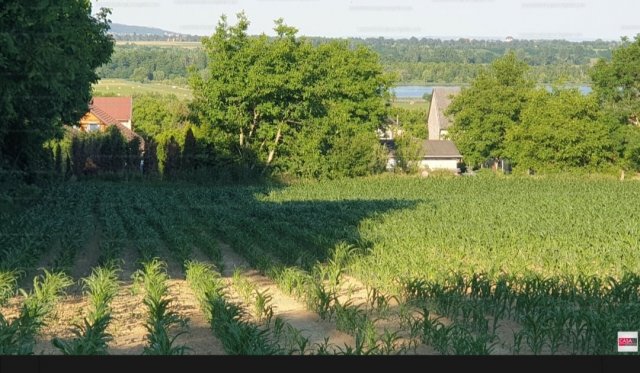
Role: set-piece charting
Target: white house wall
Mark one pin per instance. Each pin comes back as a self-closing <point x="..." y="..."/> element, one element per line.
<point x="440" y="164"/>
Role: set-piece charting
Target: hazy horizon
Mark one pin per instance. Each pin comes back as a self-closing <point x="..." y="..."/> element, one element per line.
<point x="443" y="19"/>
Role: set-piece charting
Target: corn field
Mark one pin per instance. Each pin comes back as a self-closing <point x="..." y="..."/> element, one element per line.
<point x="467" y="265"/>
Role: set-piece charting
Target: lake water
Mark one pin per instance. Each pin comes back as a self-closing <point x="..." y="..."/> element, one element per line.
<point x="411" y="91"/>
<point x="417" y="91"/>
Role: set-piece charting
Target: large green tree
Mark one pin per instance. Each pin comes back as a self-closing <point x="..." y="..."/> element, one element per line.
<point x="560" y="130"/>
<point x="616" y="83"/>
<point x="49" y="50"/>
<point x="154" y="113"/>
<point x="263" y="96"/>
<point x="484" y="112"/>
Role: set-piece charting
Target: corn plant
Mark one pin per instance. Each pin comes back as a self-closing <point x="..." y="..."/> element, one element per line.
<point x="389" y="343"/>
<point x="289" y="338"/>
<point x="91" y="336"/>
<point x="243" y="286"/>
<point x="160" y="320"/>
<point x="361" y="346"/>
<point x="262" y="307"/>
<point x="320" y="299"/>
<point x="17" y="336"/>
<point x="8" y="282"/>
<point x="205" y="282"/>
<point x="379" y="301"/>
<point x="238" y="336"/>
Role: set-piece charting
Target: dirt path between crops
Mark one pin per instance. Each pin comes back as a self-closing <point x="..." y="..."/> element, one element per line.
<point x="87" y="257"/>
<point x="284" y="306"/>
<point x="47" y="260"/>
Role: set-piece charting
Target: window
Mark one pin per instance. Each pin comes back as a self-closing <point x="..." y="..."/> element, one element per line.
<point x="93" y="126"/>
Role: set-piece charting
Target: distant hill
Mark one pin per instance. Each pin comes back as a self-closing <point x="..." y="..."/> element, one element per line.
<point x="120" y="29"/>
<point x="142" y="33"/>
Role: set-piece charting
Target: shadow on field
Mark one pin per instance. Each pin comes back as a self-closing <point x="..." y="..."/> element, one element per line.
<point x="294" y="232"/>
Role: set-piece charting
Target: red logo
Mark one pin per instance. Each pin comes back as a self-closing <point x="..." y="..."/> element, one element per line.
<point x="627" y="341"/>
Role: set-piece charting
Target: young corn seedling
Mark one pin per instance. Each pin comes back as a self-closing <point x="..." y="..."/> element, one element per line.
<point x="17" y="336"/>
<point x="8" y="282"/>
<point x="379" y="301"/>
<point x="292" y="280"/>
<point x="243" y="286"/>
<point x="324" y="347"/>
<point x="160" y="320"/>
<point x="262" y="307"/>
<point x="349" y="318"/>
<point x="290" y="338"/>
<point x="534" y="332"/>
<point x="441" y="337"/>
<point x="238" y="337"/>
<point x="341" y="254"/>
<point x="320" y="300"/>
<point x="361" y="347"/>
<point x="389" y="343"/>
<point x="205" y="282"/>
<point x="91" y="336"/>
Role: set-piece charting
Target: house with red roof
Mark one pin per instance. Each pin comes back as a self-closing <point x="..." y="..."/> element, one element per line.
<point x="110" y="111"/>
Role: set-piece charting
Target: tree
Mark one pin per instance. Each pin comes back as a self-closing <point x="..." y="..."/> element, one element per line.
<point x="170" y="162"/>
<point x="189" y="150"/>
<point x="617" y="82"/>
<point x="154" y="113"/>
<point x="58" y="160"/>
<point x="48" y="55"/>
<point x="262" y="94"/>
<point x="484" y="112"/>
<point x="113" y="150"/>
<point x="410" y="121"/>
<point x="560" y="130"/>
<point x="617" y="85"/>
<point x="408" y="152"/>
<point x="140" y="74"/>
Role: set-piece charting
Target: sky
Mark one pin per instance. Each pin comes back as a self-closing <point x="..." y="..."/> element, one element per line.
<point x="479" y="19"/>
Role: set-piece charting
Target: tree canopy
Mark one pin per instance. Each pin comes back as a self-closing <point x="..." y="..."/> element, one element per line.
<point x="489" y="107"/>
<point x="280" y="103"/>
<point x="617" y="86"/>
<point x="560" y="130"/>
<point x="503" y="115"/>
<point x="617" y="82"/>
<point x="49" y="51"/>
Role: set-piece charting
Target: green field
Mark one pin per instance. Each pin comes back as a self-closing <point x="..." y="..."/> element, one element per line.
<point x="511" y="264"/>
<point x="121" y="87"/>
<point x="417" y="105"/>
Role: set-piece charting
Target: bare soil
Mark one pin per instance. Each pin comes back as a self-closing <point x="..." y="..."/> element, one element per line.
<point x="284" y="306"/>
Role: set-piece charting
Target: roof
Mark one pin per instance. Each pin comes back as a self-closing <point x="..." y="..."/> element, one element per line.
<point x="440" y="100"/>
<point x="129" y="134"/>
<point x="113" y="111"/>
<point x="102" y="115"/>
<point x="119" y="108"/>
<point x="439" y="149"/>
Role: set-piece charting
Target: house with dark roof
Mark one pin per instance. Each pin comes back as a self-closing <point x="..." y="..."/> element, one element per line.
<point x="110" y="111"/>
<point x="440" y="155"/>
<point x="438" y="123"/>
